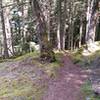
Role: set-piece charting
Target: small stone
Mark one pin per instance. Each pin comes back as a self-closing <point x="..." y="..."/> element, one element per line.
<point x="88" y="98"/>
<point x="19" y="98"/>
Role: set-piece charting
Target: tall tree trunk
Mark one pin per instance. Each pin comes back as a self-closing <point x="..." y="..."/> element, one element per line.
<point x="81" y="31"/>
<point x="45" y="46"/>
<point x="25" y="16"/>
<point x="59" y="26"/>
<point x="8" y="30"/>
<point x="91" y="22"/>
<point x="49" y="19"/>
<point x="6" y="54"/>
<point x="64" y="29"/>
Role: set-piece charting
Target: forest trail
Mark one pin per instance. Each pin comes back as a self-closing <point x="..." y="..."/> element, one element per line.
<point x="67" y="86"/>
<point x="27" y="79"/>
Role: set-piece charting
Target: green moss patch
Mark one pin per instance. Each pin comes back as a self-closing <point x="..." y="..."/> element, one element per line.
<point x="23" y="82"/>
<point x="88" y="93"/>
<point x="84" y="61"/>
<point x="31" y="54"/>
<point x="50" y="68"/>
<point x="21" y="87"/>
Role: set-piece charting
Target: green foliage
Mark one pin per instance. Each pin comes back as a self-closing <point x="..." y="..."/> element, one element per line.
<point x="77" y="56"/>
<point x="25" y="47"/>
<point x="47" y="53"/>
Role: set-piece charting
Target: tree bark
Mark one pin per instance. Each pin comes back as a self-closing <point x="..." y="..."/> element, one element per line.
<point x="59" y="26"/>
<point x="46" y="52"/>
<point x="6" y="54"/>
<point x="64" y="31"/>
<point x="81" y="31"/>
<point x="91" y="22"/>
<point x="8" y="31"/>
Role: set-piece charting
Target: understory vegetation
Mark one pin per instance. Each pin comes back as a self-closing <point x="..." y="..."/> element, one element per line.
<point x="44" y="42"/>
<point x="88" y="92"/>
<point x="89" y="63"/>
<point x="22" y="81"/>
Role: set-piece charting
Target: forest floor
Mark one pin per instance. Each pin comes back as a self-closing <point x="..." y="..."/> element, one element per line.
<point x="28" y="79"/>
<point x="68" y="84"/>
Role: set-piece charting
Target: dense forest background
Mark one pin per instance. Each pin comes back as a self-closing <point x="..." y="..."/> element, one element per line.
<point x="47" y="25"/>
<point x="49" y="49"/>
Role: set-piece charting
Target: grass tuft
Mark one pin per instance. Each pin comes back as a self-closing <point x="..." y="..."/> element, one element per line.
<point x="88" y="93"/>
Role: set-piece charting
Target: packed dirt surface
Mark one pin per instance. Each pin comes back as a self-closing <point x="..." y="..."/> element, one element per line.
<point x="68" y="85"/>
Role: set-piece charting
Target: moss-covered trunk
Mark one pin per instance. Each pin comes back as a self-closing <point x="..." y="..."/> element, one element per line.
<point x="46" y="51"/>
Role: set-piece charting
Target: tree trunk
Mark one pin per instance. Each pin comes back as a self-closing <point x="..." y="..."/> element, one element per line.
<point x="91" y="22"/>
<point x="59" y="26"/>
<point x="6" y="54"/>
<point x="8" y="30"/>
<point x="25" y="16"/>
<point x="46" y="52"/>
<point x="64" y="31"/>
<point x="81" y="31"/>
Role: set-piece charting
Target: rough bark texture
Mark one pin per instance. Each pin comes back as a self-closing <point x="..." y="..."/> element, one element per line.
<point x="91" y="22"/>
<point x="59" y="26"/>
<point x="81" y="31"/>
<point x="6" y="55"/>
<point x="46" y="51"/>
<point x="8" y="30"/>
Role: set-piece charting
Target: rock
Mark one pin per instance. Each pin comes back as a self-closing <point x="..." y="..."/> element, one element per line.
<point x="34" y="46"/>
<point x="96" y="88"/>
<point x="19" y="98"/>
<point x="96" y="63"/>
<point x="95" y="83"/>
<point x="88" y="98"/>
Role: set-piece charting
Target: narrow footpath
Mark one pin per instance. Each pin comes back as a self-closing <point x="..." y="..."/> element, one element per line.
<point x="68" y="84"/>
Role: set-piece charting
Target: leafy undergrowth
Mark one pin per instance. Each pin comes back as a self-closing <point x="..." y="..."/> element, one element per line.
<point x="25" y="78"/>
<point x="79" y="59"/>
<point x="90" y="62"/>
<point x="88" y="93"/>
<point x="84" y="61"/>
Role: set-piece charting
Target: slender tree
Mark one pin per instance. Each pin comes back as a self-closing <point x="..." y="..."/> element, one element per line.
<point x="91" y="21"/>
<point x="6" y="54"/>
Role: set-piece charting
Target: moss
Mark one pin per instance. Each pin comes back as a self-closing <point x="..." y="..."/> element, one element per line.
<point x="84" y="61"/>
<point x="50" y="68"/>
<point x="77" y="56"/>
<point x="31" y="54"/>
<point x="58" y="56"/>
<point x="20" y="87"/>
<point x="1" y="60"/>
<point x="88" y="93"/>
<point x="23" y="86"/>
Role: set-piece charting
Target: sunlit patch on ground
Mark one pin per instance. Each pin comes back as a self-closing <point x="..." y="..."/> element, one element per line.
<point x="92" y="48"/>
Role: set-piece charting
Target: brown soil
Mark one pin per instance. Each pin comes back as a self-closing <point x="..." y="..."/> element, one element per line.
<point x="68" y="84"/>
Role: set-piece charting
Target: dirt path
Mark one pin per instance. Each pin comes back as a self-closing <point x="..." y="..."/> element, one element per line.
<point x="67" y="85"/>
